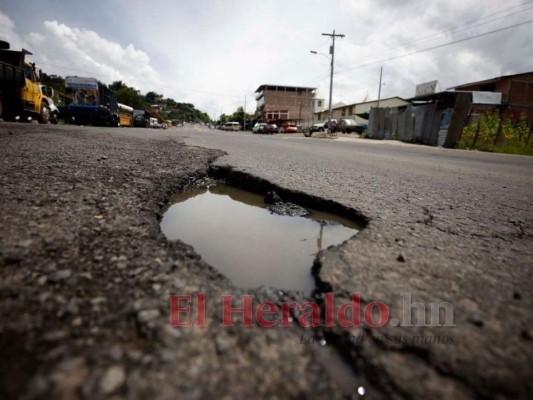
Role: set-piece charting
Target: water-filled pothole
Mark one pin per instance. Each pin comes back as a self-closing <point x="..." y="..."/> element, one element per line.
<point x="234" y="231"/>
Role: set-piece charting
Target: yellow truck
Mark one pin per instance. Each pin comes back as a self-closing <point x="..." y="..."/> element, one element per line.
<point x="21" y="97"/>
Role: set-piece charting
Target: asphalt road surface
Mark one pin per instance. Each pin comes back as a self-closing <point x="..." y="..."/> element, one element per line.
<point x="445" y="226"/>
<point x="85" y="273"/>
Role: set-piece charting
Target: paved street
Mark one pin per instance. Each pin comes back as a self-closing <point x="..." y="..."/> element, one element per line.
<point x="85" y="273"/>
<point x="463" y="223"/>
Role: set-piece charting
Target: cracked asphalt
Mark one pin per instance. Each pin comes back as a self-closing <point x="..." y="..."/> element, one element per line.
<point x="85" y="273"/>
<point x="445" y="226"/>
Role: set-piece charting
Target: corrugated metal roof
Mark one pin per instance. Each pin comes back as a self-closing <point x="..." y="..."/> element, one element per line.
<point x="284" y="87"/>
<point x="489" y="80"/>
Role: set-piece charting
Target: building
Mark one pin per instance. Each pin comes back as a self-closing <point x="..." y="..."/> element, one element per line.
<point x="434" y="119"/>
<point x="516" y="90"/>
<point x="359" y="111"/>
<point x="285" y="104"/>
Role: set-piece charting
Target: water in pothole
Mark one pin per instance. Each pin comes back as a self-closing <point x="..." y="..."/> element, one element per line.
<point x="234" y="232"/>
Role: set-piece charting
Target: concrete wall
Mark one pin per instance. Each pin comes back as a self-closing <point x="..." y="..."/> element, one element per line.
<point x="350" y="110"/>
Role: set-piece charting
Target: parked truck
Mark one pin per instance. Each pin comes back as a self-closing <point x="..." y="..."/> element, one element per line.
<point x="90" y="102"/>
<point x="54" y="110"/>
<point x="141" y="119"/>
<point x="21" y="98"/>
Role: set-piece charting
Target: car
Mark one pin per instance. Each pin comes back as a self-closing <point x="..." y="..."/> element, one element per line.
<point x="231" y="126"/>
<point x="54" y="111"/>
<point x="269" y="129"/>
<point x="348" y="125"/>
<point x="288" y="128"/>
<point x="157" y="125"/>
<point x="258" y="127"/>
<point x="320" y="126"/>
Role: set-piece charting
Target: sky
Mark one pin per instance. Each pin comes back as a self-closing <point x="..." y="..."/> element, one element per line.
<point x="216" y="53"/>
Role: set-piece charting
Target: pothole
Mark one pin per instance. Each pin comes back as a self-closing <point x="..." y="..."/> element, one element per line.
<point x="235" y="231"/>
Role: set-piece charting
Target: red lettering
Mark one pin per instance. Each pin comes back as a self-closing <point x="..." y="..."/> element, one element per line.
<point x="200" y="318"/>
<point x="383" y="314"/>
<point x="330" y="302"/>
<point x="355" y="307"/>
<point x="260" y="313"/>
<point x="245" y="310"/>
<point x="176" y="310"/>
<point x="314" y="313"/>
<point x="286" y="314"/>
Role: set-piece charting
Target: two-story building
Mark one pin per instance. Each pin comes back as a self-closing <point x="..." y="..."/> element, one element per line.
<point x="285" y="104"/>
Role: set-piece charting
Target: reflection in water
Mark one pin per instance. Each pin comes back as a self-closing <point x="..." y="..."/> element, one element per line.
<point x="235" y="233"/>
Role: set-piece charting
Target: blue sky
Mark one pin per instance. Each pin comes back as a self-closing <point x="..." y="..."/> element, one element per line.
<point x="213" y="53"/>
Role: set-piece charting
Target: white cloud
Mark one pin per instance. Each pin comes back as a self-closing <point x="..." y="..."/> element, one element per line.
<point x="404" y="28"/>
<point x="213" y="53"/>
<point x="7" y="32"/>
<point x="73" y="51"/>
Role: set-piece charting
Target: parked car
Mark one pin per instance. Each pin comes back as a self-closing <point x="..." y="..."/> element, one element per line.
<point x="269" y="129"/>
<point x="231" y="126"/>
<point x="258" y="127"/>
<point x="158" y="125"/>
<point x="288" y="128"/>
<point x="54" y="111"/>
<point x="348" y="125"/>
<point x="320" y="126"/>
<point x="361" y="128"/>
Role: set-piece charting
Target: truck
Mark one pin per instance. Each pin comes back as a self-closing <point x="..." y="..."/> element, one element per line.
<point x="54" y="110"/>
<point x="141" y="119"/>
<point x="125" y="115"/>
<point x="90" y="102"/>
<point x="21" y="97"/>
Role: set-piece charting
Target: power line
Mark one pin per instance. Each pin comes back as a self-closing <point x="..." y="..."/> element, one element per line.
<point x="458" y="28"/>
<point x="437" y="47"/>
<point x="468" y="25"/>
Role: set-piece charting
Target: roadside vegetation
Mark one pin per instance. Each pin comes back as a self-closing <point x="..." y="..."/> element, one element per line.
<point x="499" y="135"/>
<point x="238" y="116"/>
<point x="168" y="109"/>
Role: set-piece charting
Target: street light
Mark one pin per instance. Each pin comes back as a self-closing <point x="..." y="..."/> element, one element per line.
<point x="321" y="54"/>
<point x="332" y="52"/>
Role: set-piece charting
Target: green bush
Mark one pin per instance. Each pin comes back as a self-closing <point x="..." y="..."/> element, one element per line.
<point x="493" y="133"/>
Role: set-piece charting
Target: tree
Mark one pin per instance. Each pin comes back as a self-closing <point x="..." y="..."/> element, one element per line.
<point x="52" y="79"/>
<point x="238" y="116"/>
<point x="170" y="103"/>
<point x="187" y="112"/>
<point x="152" y="97"/>
<point x="132" y="97"/>
<point x="128" y="95"/>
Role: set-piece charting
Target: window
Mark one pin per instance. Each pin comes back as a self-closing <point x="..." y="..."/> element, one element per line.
<point x="28" y="72"/>
<point x="276" y="115"/>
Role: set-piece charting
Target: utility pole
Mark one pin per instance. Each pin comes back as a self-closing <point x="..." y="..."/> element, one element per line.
<point x="379" y="98"/>
<point x="379" y="90"/>
<point x="244" y="126"/>
<point x="332" y="52"/>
